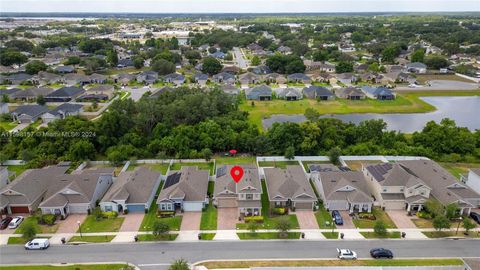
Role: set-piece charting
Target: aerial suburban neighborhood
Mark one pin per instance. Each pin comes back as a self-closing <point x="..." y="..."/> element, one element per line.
<point x="239" y="140"/>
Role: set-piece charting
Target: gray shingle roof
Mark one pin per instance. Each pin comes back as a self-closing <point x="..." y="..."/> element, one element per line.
<point x="30" y="110"/>
<point x="250" y="182"/>
<point x="290" y="183"/>
<point x="350" y="186"/>
<point x="192" y="185"/>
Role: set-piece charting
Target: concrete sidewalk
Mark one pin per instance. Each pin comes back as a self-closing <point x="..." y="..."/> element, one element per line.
<point x="226" y="235"/>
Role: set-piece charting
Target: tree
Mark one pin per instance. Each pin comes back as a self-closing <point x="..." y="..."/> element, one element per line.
<point x="112" y="58"/>
<point x="285" y="64"/>
<point x="290" y="152"/>
<point x="97" y="213"/>
<point x="82" y="150"/>
<point x="35" y="66"/>
<point x="73" y="60"/>
<point x="29" y="231"/>
<point x="211" y="66"/>
<point x="20" y="44"/>
<point x="41" y="100"/>
<point x="468" y="225"/>
<point x="441" y="222"/>
<point x="451" y="211"/>
<point x="163" y="67"/>
<point x="344" y="67"/>
<point x="252" y="226"/>
<point x="312" y="114"/>
<point x="283" y="226"/>
<point x="418" y="56"/>
<point x="434" y="207"/>
<point x="8" y="58"/>
<point x="138" y="62"/>
<point x="256" y="61"/>
<point x="207" y="154"/>
<point x="160" y="228"/>
<point x="390" y="53"/>
<point x="379" y="228"/>
<point x="179" y="265"/>
<point x="436" y="62"/>
<point x="334" y="155"/>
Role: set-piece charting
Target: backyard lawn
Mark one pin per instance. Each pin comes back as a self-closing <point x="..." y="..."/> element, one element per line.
<point x="160" y="167"/>
<point x="356" y="165"/>
<point x="237" y="160"/>
<point x="268" y="235"/>
<point x="40" y="228"/>
<point x="92" y="238"/>
<point x="209" y="218"/>
<point x="457" y="169"/>
<point x="277" y="164"/>
<point x="18" y="169"/>
<point x="105" y="225"/>
<point x="201" y="166"/>
<point x="379" y="215"/>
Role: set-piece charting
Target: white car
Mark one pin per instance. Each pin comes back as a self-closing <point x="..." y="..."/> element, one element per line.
<point x="346" y="254"/>
<point x="38" y="243"/>
<point x="15" y="222"/>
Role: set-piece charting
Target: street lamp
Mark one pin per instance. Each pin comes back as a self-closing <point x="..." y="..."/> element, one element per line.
<point x="79" y="228"/>
<point x="458" y="225"/>
<point x="333" y="225"/>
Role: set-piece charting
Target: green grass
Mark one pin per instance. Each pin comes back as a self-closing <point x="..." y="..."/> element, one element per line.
<point x="443" y="234"/>
<point x="201" y="166"/>
<point x="277" y="164"/>
<point x="458" y="169"/>
<point x="16" y="241"/>
<point x="306" y="263"/>
<point x="209" y="218"/>
<point x="269" y="235"/>
<point x="8" y="125"/>
<point x="151" y="237"/>
<point x="160" y="167"/>
<point x="207" y="236"/>
<point x="92" y="238"/>
<point x="323" y="216"/>
<point x="379" y="215"/>
<point x="421" y="78"/>
<point x="39" y="228"/>
<point x="330" y="235"/>
<point x="68" y="267"/>
<point x="105" y="225"/>
<point x="18" y="169"/>
<point x="237" y="160"/>
<point x="372" y="235"/>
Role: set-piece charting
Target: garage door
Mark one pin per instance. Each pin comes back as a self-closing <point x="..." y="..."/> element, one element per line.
<point x="230" y="202"/>
<point x="19" y="209"/>
<point x="192" y="206"/>
<point x="303" y="205"/>
<point x="136" y="208"/>
<point x="394" y="205"/>
<point x="337" y="205"/>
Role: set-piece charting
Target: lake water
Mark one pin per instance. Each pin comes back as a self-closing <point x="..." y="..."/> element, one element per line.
<point x="465" y="111"/>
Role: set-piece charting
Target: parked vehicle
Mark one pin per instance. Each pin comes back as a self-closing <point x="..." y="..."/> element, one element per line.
<point x="475" y="216"/>
<point x="337" y="217"/>
<point x="37" y="243"/>
<point x="381" y="253"/>
<point x="346" y="254"/>
<point x="15" y="222"/>
<point x="4" y="223"/>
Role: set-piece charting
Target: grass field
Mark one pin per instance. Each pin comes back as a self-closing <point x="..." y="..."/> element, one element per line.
<point x="40" y="228"/>
<point x="201" y="166"/>
<point x="269" y="235"/>
<point x="427" y="223"/>
<point x="380" y="215"/>
<point x="406" y="102"/>
<point x="68" y="267"/>
<point x="322" y="217"/>
<point x="277" y="164"/>
<point x="443" y="234"/>
<point x="92" y="238"/>
<point x="7" y="125"/>
<point x="104" y="225"/>
<point x="160" y="167"/>
<point x="237" y="160"/>
<point x="450" y="77"/>
<point x="18" y="169"/>
<point x="209" y="218"/>
<point x="16" y="241"/>
<point x="457" y="169"/>
<point x="372" y="235"/>
<point x="306" y="263"/>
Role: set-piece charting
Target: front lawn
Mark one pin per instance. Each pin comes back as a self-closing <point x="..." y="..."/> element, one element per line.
<point x="68" y="267"/>
<point x="40" y="228"/>
<point x="268" y="235"/>
<point x="201" y="166"/>
<point x="277" y="164"/>
<point x="104" y="225"/>
<point x="424" y="223"/>
<point x="209" y="217"/>
<point x="207" y="236"/>
<point x="152" y="215"/>
<point x="322" y="217"/>
<point x="8" y="125"/>
<point x="379" y="215"/>
<point x="370" y="235"/>
<point x="442" y="234"/>
<point x="330" y="235"/>
<point x="151" y="237"/>
<point x="92" y="238"/>
<point x="16" y="240"/>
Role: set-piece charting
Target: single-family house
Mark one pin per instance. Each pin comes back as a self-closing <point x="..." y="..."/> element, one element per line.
<point x="312" y="65"/>
<point x="218" y="55"/>
<point x="224" y="77"/>
<point x="351" y="93"/>
<point x="249" y="78"/>
<point x="133" y="191"/>
<point x="261" y="70"/>
<point x="31" y="94"/>
<point x="98" y="78"/>
<point x="289" y="94"/>
<point x="9" y="92"/>
<point x="379" y="93"/>
<point x="147" y="77"/>
<point x="4" y="176"/>
<point x="361" y="68"/>
<point x="344" y="191"/>
<point x="18" y="78"/>
<point x="327" y="67"/>
<point x="260" y="92"/>
<point x="28" y="113"/>
<point x="347" y="78"/>
<point x="318" y="93"/>
<point x="200" y="78"/>
<point x="72" y="79"/>
<point x="299" y="78"/>
<point x="175" y="78"/>
<point x="275" y="78"/>
<point x="246" y="195"/>
<point x="254" y="47"/>
<point x="102" y="92"/>
<point x="65" y="94"/>
<point x="65" y="69"/>
<point x="472" y="180"/>
<point x="44" y="77"/>
<point x="231" y="69"/>
<point x="284" y="50"/>
<point x="289" y="188"/>
<point x="124" y="63"/>
<point x="3" y="108"/>
<point x="124" y="78"/>
<point x="417" y="67"/>
<point x="230" y="89"/>
<point x="61" y="112"/>
<point x="184" y="190"/>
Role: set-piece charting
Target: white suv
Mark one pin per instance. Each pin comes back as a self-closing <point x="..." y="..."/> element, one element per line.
<point x="346" y="254"/>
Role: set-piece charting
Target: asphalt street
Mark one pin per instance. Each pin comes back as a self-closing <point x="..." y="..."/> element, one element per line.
<point x="158" y="255"/>
<point x="242" y="63"/>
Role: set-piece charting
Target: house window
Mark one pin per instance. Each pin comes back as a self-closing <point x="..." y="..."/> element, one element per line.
<point x="278" y="203"/>
<point x="401" y="190"/>
<point x="249" y="196"/>
<point x="108" y="208"/>
<point x="384" y="190"/>
<point x="163" y="207"/>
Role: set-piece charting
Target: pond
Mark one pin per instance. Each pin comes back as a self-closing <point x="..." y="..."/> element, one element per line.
<point x="465" y="111"/>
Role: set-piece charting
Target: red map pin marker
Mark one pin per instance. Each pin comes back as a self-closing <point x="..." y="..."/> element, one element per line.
<point x="237" y="173"/>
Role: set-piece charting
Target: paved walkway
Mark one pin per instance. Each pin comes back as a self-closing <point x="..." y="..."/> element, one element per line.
<point x="188" y="236"/>
<point x="226" y="235"/>
<point x="347" y="221"/>
<point x="227" y="218"/>
<point x="124" y="237"/>
<point x="306" y="219"/>
<point x="400" y="218"/>
<point x="70" y="224"/>
<point x="132" y="222"/>
<point x="191" y="221"/>
<point x="350" y="234"/>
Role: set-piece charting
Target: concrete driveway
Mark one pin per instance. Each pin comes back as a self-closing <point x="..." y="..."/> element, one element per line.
<point x="227" y="218"/>
<point x="132" y="222"/>
<point x="137" y="93"/>
<point x="400" y="218"/>
<point x="347" y="221"/>
<point x="306" y="219"/>
<point x="191" y="221"/>
<point x="70" y="224"/>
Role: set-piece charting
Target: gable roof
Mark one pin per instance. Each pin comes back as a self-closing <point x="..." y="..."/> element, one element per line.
<point x="350" y="186"/>
<point x="388" y="174"/>
<point x="189" y="183"/>
<point x="67" y="91"/>
<point x="289" y="183"/>
<point x="317" y="91"/>
<point x="66" y="108"/>
<point x="32" y="92"/>
<point x="30" y="110"/>
<point x="250" y="182"/>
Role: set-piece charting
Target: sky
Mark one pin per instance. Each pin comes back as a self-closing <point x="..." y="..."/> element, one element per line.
<point x="237" y="6"/>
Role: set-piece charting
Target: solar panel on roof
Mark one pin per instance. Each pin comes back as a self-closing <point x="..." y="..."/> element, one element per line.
<point x="221" y="171"/>
<point x="172" y="180"/>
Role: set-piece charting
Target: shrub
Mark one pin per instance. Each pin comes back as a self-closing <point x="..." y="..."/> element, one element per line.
<point x="379" y="228"/>
<point x="279" y="210"/>
<point x="160" y="228"/>
<point x="48" y="219"/>
<point x="424" y="214"/>
<point x="368" y="216"/>
<point x="255" y="219"/>
<point x="29" y="231"/>
<point x="125" y="212"/>
<point x="166" y="213"/>
<point x="110" y="215"/>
